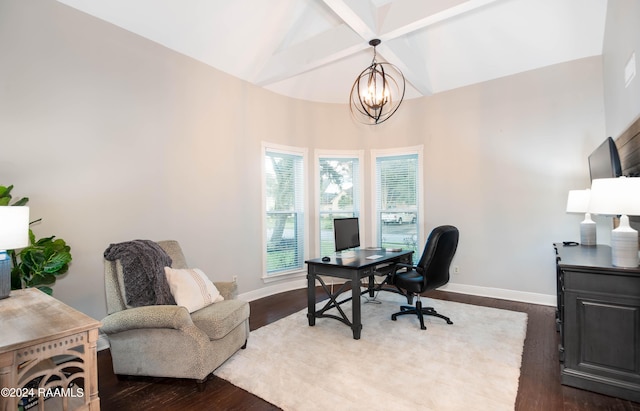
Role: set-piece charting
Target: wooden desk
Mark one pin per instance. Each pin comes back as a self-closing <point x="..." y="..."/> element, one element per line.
<point x="353" y="269"/>
<point x="599" y="321"/>
<point x="37" y="329"/>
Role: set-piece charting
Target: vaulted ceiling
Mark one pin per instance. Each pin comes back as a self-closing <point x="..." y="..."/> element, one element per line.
<point x="314" y="49"/>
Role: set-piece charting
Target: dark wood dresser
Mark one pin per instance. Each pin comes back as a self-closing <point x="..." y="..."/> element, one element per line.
<point x="599" y="321"/>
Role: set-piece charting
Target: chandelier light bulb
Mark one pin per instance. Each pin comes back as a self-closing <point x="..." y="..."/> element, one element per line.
<point x="377" y="94"/>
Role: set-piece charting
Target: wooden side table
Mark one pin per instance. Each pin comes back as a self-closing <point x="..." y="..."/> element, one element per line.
<point x="43" y="338"/>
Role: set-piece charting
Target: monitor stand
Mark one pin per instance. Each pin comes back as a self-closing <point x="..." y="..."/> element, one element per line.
<point x="350" y="253"/>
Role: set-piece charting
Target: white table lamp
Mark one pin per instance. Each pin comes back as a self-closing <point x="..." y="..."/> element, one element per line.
<point x="14" y="233"/>
<point x="578" y="202"/>
<point x="619" y="196"/>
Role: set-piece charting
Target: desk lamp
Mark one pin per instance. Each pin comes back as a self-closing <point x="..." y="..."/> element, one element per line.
<point x="14" y="233"/>
<point x="578" y="202"/>
<point x="619" y="196"/>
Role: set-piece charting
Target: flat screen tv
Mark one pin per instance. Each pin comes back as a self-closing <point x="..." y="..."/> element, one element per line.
<point x="346" y="232"/>
<point x="604" y="162"/>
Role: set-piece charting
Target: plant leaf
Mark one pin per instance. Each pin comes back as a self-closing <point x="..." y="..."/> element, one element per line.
<point x="42" y="279"/>
<point x="32" y="259"/>
<point x="21" y="202"/>
<point x="45" y="240"/>
<point x="56" y="262"/>
<point x="47" y="290"/>
<point x="6" y="191"/>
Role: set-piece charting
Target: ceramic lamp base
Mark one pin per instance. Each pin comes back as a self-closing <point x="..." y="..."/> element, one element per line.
<point x="5" y="275"/>
<point x="588" y="231"/>
<point x="624" y="245"/>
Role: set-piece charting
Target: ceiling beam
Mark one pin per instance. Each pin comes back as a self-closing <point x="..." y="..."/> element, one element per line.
<point x="400" y="54"/>
<point x="360" y="15"/>
<point x="360" y="25"/>
<point x="325" y="48"/>
<point x="339" y="42"/>
<point x="406" y="16"/>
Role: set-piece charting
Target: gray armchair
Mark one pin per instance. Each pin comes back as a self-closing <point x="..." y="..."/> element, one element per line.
<point x="167" y="340"/>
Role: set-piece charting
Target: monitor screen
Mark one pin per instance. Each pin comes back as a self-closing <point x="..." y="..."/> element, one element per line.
<point x="346" y="232"/>
<point x="604" y="162"/>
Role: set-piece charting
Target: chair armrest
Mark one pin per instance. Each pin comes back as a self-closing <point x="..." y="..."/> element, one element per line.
<point x="228" y="289"/>
<point x="153" y="316"/>
<point x="402" y="265"/>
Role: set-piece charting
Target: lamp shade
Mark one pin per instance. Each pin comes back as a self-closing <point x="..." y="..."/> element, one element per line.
<point x="614" y="196"/>
<point x="14" y="227"/>
<point x="578" y="201"/>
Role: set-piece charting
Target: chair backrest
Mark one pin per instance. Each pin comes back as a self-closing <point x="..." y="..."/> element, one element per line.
<point x="114" y="280"/>
<point x="437" y="256"/>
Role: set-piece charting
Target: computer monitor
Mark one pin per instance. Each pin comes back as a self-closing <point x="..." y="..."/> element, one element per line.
<point x="604" y="162"/>
<point x="346" y="233"/>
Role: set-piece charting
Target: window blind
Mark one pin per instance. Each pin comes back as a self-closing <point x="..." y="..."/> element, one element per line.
<point x="284" y="211"/>
<point x="339" y="183"/>
<point x="397" y="196"/>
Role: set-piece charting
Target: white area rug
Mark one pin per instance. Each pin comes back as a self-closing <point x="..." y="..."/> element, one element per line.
<point x="473" y="364"/>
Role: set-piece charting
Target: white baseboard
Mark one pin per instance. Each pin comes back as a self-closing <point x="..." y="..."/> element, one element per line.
<point x="501" y="293"/>
<point x="274" y="289"/>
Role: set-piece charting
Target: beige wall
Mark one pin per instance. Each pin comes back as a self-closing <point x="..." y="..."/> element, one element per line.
<point x="115" y="138"/>
<point x="622" y="38"/>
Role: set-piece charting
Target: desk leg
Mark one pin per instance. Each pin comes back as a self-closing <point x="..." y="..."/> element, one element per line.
<point x="372" y="285"/>
<point x="311" y="296"/>
<point x="356" y="326"/>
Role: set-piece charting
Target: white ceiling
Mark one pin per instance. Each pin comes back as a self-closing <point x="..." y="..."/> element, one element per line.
<point x="314" y="49"/>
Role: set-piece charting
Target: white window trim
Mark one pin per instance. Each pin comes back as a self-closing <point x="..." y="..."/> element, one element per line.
<point x="391" y="152"/>
<point x="299" y="151"/>
<point x="359" y="154"/>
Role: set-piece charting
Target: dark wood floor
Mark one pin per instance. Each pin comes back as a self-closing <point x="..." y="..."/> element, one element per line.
<point x="539" y="388"/>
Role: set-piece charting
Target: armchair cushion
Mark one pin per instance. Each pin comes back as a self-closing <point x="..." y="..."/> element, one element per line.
<point x="191" y="288"/>
<point x="217" y="320"/>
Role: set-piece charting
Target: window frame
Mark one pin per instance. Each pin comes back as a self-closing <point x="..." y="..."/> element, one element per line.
<point x="394" y="152"/>
<point x="360" y="213"/>
<point x="294" y="151"/>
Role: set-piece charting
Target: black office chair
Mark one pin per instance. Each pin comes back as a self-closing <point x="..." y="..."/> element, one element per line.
<point x="432" y="271"/>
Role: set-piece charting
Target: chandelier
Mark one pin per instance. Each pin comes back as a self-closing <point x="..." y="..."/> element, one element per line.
<point x="377" y="92"/>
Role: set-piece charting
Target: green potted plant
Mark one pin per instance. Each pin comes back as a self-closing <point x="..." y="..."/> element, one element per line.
<point x="42" y="261"/>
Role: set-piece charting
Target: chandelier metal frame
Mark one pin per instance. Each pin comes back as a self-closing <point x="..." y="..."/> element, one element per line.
<point x="377" y="92"/>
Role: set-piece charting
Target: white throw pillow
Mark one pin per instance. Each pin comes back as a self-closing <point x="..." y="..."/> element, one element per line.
<point x="191" y="288"/>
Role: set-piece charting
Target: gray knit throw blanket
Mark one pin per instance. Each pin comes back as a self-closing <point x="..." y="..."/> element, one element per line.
<point x="143" y="263"/>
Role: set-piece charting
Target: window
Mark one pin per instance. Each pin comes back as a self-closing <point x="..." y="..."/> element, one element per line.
<point x="398" y="198"/>
<point x="338" y="176"/>
<point x="284" y="194"/>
